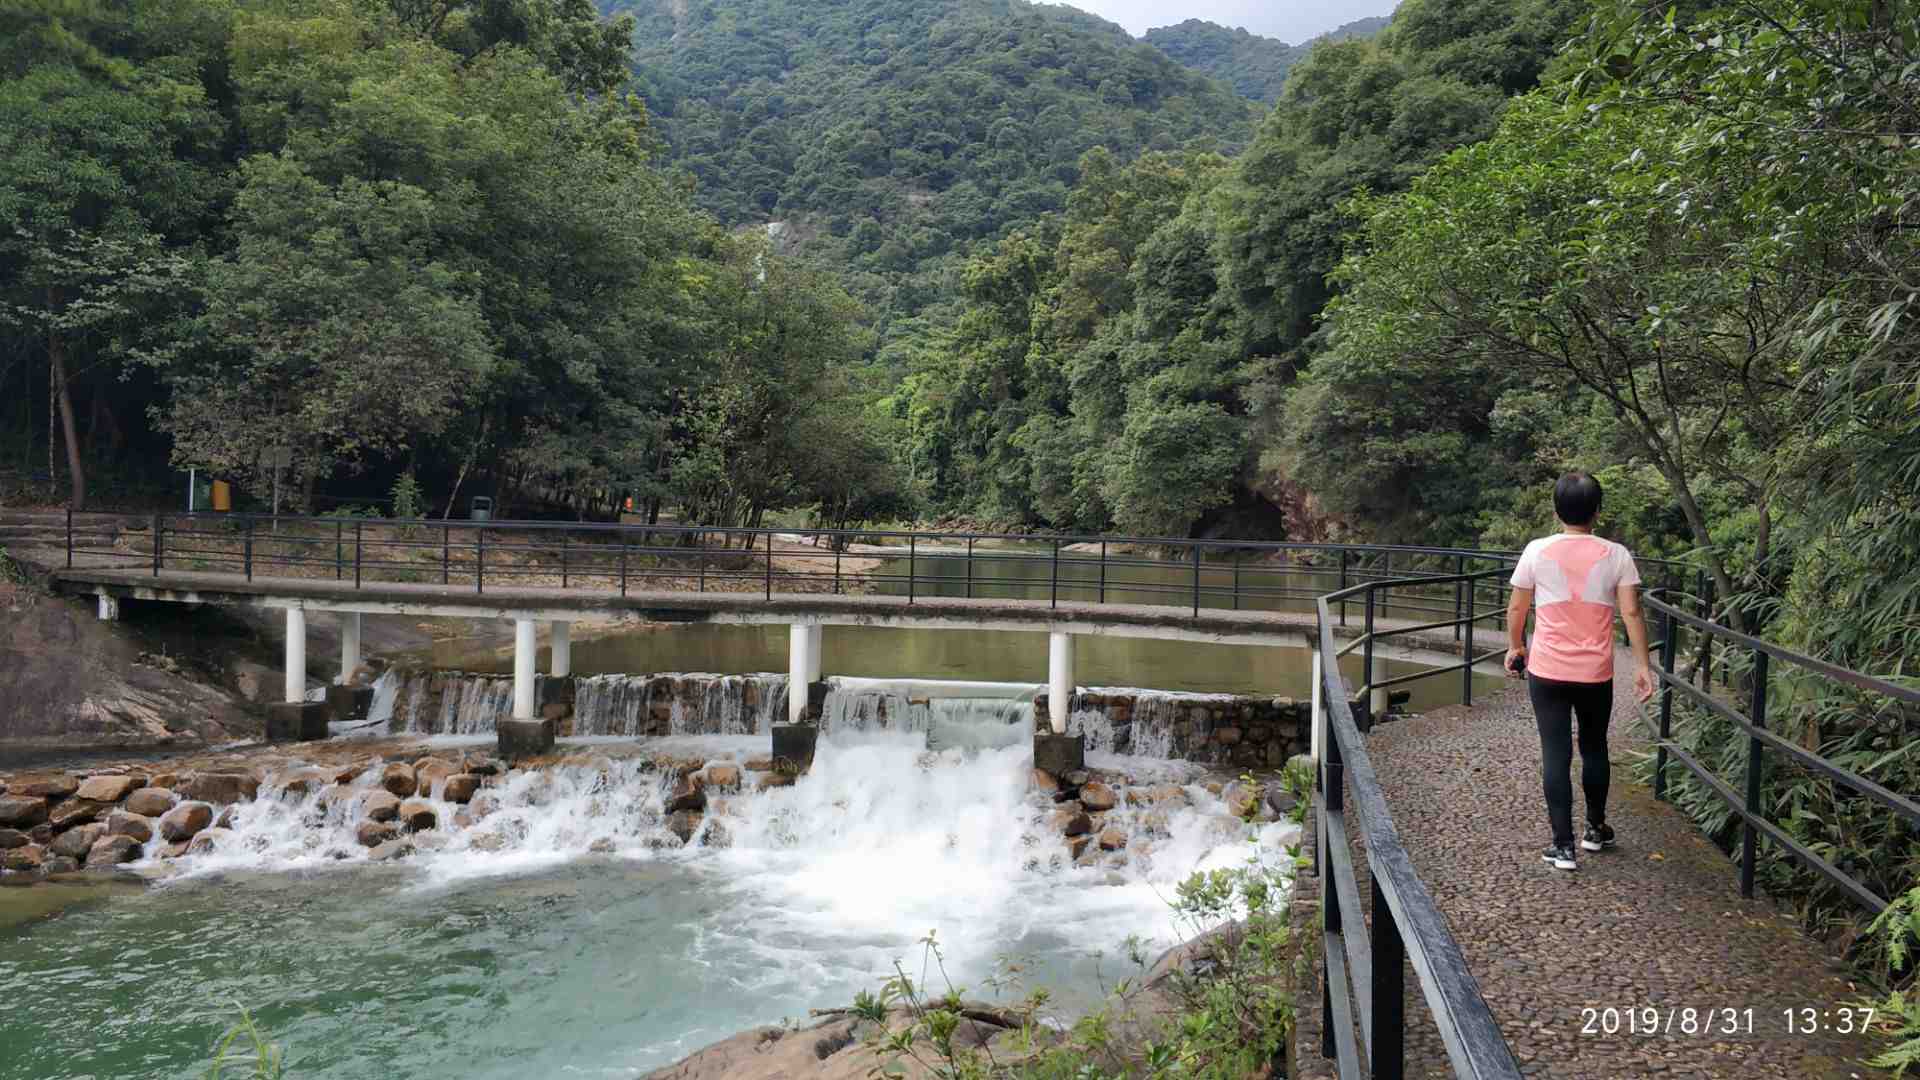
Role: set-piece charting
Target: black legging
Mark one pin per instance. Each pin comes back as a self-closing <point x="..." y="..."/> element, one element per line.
<point x="1554" y="706"/>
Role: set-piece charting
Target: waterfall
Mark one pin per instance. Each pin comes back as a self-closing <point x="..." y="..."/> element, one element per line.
<point x="679" y="704"/>
<point x="971" y="715"/>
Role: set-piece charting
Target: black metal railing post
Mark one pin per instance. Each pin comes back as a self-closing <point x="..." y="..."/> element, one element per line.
<point x="1103" y="570"/>
<point x="969" y="567"/>
<point x="1387" y="1053"/>
<point x="1053" y="590"/>
<point x="563" y="557"/>
<point x="623" y="564"/>
<point x="1196" y="581"/>
<point x="913" y="569"/>
<point x="700" y="546"/>
<point x="356" y="554"/>
<point x="1236" y="579"/>
<point x="1466" y="644"/>
<point x="247" y="554"/>
<point x="1460" y="568"/>
<point x="339" y="551"/>
<point x="479" y="560"/>
<point x="446" y="554"/>
<point x="1366" y="673"/>
<point x="69" y="534"/>
<point x="837" y="545"/>
<point x="1332" y="919"/>
<point x="769" y="565"/>
<point x="1668" y="650"/>
<point x="1343" y="586"/>
<point x="159" y="544"/>
<point x="1750" y="836"/>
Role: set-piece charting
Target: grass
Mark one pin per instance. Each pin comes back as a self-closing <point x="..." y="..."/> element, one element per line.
<point x="245" y="1049"/>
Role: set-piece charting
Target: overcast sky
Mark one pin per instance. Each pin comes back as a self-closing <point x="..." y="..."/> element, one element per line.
<point x="1289" y="20"/>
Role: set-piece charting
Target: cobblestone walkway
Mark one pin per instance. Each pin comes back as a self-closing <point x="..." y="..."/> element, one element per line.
<point x="1656" y="922"/>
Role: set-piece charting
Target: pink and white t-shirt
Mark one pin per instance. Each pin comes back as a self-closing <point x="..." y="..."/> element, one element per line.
<point x="1574" y="578"/>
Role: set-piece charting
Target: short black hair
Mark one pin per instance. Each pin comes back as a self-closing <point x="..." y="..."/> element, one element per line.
<point x="1576" y="498"/>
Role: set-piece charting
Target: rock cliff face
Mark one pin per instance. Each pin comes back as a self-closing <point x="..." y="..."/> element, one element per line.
<point x="69" y="681"/>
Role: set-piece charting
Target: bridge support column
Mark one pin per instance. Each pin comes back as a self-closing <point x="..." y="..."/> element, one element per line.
<point x="562" y="662"/>
<point x="525" y="735"/>
<point x="349" y="647"/>
<point x="803" y="666"/>
<point x="1059" y="680"/>
<point x="109" y="608"/>
<point x="294" y="717"/>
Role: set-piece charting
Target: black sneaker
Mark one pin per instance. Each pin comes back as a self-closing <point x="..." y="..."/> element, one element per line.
<point x="1598" y="838"/>
<point x="1560" y="857"/>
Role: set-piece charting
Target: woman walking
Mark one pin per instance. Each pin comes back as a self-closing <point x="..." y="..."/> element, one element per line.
<point x="1574" y="582"/>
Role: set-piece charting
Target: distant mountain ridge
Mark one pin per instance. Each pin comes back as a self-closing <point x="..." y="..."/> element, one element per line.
<point x="1255" y="66"/>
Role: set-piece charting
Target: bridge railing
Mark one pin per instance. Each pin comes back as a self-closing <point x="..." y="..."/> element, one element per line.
<point x="1759" y="679"/>
<point x="624" y="558"/>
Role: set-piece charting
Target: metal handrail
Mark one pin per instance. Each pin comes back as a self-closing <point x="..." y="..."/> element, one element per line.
<point x="1748" y="807"/>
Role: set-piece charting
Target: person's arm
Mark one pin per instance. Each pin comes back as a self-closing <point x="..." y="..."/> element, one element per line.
<point x="1628" y="595"/>
<point x="1519" y="603"/>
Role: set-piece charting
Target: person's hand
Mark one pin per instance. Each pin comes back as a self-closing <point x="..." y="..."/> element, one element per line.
<point x="1516" y="665"/>
<point x="1644" y="684"/>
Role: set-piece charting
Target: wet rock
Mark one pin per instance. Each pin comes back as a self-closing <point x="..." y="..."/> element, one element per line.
<point x="347" y="774"/>
<point x="762" y="763"/>
<point x="483" y="804"/>
<point x="398" y="778"/>
<point x="380" y="805"/>
<point x="61" y="864"/>
<point x="1042" y="780"/>
<point x="70" y="812"/>
<point x="163" y="780"/>
<point x="25" y="858"/>
<point x="489" y="842"/>
<point x="775" y="779"/>
<point x="481" y="765"/>
<point x="56" y="786"/>
<point x="430" y="841"/>
<point x="225" y="820"/>
<point x="174" y="850"/>
<point x="1071" y="822"/>
<point x="23" y="810"/>
<point x="371" y="834"/>
<point x="392" y="849"/>
<point x="121" y="823"/>
<point x="723" y="776"/>
<point x="210" y="841"/>
<point x="688" y="796"/>
<point x="602" y="846"/>
<point x="13" y="838"/>
<point x="41" y="834"/>
<point x="1242" y="800"/>
<point x="718" y="835"/>
<point x="1078" y="846"/>
<point x="228" y="787"/>
<point x="430" y="771"/>
<point x="75" y="841"/>
<point x="1281" y="802"/>
<point x="463" y="818"/>
<point x="305" y="782"/>
<point x="1095" y="795"/>
<point x="461" y="787"/>
<point x="684" y="824"/>
<point x="106" y="788"/>
<point x="150" y="801"/>
<point x="418" y="815"/>
<point x="1112" y="839"/>
<point x="1076" y="778"/>
<point x="183" y="822"/>
<point x="113" y="850"/>
<point x="1227" y="736"/>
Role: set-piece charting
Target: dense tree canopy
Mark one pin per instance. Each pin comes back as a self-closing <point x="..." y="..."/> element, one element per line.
<point x="1255" y="66"/>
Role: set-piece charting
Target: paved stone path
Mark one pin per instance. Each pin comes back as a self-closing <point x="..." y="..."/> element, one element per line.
<point x="1658" y="921"/>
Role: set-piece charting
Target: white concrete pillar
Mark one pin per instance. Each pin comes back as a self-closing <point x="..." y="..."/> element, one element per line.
<point x="1314" y="717"/>
<point x="523" y="669"/>
<point x="803" y="667"/>
<point x="817" y="632"/>
<point x="562" y="663"/>
<point x="296" y="654"/>
<point x="109" y="608"/>
<point x="1059" y="680"/>
<point x="1377" y="700"/>
<point x="349" y="646"/>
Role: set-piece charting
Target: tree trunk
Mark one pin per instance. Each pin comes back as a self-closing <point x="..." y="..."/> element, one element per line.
<point x="57" y="371"/>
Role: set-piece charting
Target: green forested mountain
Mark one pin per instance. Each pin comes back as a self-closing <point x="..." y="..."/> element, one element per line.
<point x="1255" y="66"/>
<point x="890" y="135"/>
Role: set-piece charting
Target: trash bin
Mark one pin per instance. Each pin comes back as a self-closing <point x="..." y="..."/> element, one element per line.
<point x="481" y="509"/>
<point x="222" y="496"/>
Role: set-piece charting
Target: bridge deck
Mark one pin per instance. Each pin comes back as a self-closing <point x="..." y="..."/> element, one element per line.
<point x="1658" y="921"/>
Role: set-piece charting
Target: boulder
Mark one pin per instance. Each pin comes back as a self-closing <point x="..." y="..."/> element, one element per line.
<point x="183" y="822"/>
<point x="23" y="810"/>
<point x="1227" y="736"/>
<point x="398" y="778"/>
<point x="106" y="788"/>
<point x="163" y="780"/>
<point x="392" y="849"/>
<point x="227" y="787"/>
<point x="684" y="824"/>
<point x="775" y="779"/>
<point x="61" y="864"/>
<point x="210" y="841"/>
<point x="22" y="859"/>
<point x="1077" y="846"/>
<point x="418" y="815"/>
<point x="430" y="771"/>
<point x="726" y="777"/>
<point x="762" y="763"/>
<point x="174" y="850"/>
<point x="372" y="834"/>
<point x="1095" y="795"/>
<point x="303" y="782"/>
<point x="603" y="846"/>
<point x="70" y="812"/>
<point x="380" y="806"/>
<point x="13" y="838"/>
<point x="75" y="841"/>
<point x="430" y="841"/>
<point x="121" y="823"/>
<point x="460" y="788"/>
<point x="113" y="850"/>
<point x="483" y="804"/>
<point x="1071" y="822"/>
<point x="55" y="786"/>
<point x="41" y="834"/>
<point x="347" y="774"/>
<point x="1242" y="800"/>
<point x="1112" y="839"/>
<point x="688" y="796"/>
<point x="1042" y="780"/>
<point x="150" y="801"/>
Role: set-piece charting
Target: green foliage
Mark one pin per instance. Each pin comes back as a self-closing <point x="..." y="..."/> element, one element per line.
<point x="245" y="1046"/>
<point x="1255" y="66"/>
<point x="1898" y="929"/>
<point x="408" y="500"/>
